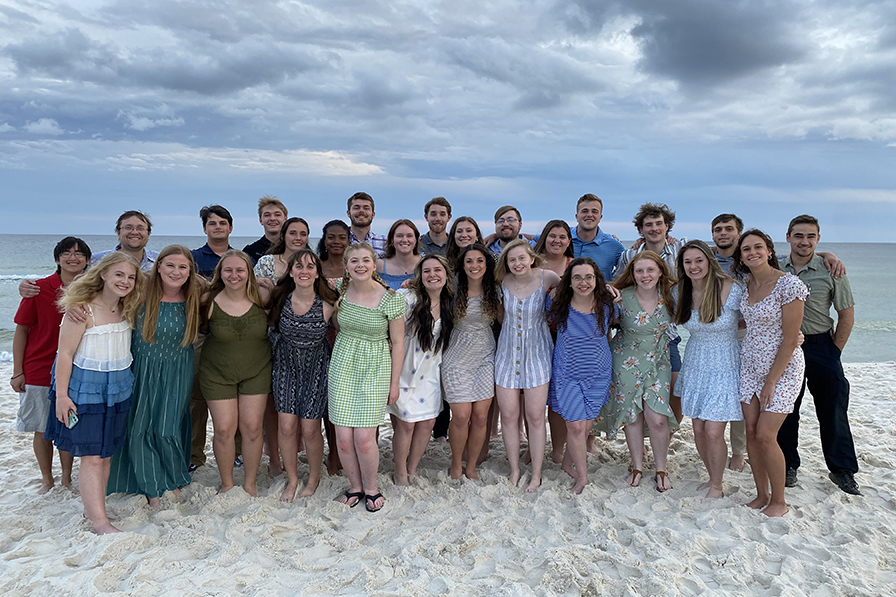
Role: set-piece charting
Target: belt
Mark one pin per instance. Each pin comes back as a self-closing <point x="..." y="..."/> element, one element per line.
<point x="818" y="338"/>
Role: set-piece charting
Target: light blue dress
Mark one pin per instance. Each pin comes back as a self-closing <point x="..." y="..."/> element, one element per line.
<point x="710" y="373"/>
<point x="525" y="350"/>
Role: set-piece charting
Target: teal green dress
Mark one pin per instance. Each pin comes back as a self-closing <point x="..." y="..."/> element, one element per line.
<point x="156" y="454"/>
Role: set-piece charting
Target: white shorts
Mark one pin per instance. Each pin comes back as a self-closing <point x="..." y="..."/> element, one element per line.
<point x="34" y="408"/>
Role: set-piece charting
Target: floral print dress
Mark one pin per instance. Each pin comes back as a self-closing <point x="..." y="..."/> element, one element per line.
<point x="641" y="369"/>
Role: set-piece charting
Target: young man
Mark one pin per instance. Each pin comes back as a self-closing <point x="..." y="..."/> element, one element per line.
<point x="361" y="212"/>
<point x="217" y="223"/>
<point x="271" y="215"/>
<point x="653" y="223"/>
<point x="34" y="346"/>
<point x="588" y="240"/>
<point x="822" y="348"/>
<point x="437" y="212"/>
<point x="508" y="223"/>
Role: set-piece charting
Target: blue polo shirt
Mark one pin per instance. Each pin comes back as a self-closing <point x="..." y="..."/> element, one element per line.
<point x="206" y="260"/>
<point x="604" y="250"/>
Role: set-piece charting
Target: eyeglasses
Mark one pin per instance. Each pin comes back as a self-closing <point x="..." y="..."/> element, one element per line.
<point x="588" y="278"/>
<point x="70" y="254"/>
<point x="129" y="228"/>
<point x="507" y="221"/>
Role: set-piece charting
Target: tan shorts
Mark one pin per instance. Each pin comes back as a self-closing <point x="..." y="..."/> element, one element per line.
<point x="34" y="408"/>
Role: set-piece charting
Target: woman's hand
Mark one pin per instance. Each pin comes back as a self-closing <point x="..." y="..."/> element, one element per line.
<point x="766" y="395"/>
<point x="64" y="404"/>
<point x="393" y="393"/>
<point x="265" y="283"/>
<point x="617" y="295"/>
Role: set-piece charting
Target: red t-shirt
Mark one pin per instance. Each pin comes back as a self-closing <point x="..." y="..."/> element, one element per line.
<point x="42" y="317"/>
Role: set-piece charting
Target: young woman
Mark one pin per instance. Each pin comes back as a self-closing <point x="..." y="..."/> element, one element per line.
<point x="235" y="365"/>
<point x="580" y="310"/>
<point x="523" y="356"/>
<point x="555" y="247"/>
<point x="293" y="237"/>
<point x="364" y="373"/>
<point x="772" y="365"/>
<point x="91" y="391"/>
<point x="468" y="366"/>
<point x="464" y="232"/>
<point x="331" y="248"/>
<point x="156" y="455"/>
<point x="708" y="303"/>
<point x="428" y="324"/>
<point x="642" y="372"/>
<point x="402" y="254"/>
<point x="301" y="308"/>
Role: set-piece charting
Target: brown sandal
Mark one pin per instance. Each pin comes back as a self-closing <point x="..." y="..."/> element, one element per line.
<point x="661" y="476"/>
<point x="635" y="473"/>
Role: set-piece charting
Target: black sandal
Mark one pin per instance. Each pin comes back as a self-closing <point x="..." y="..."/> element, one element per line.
<point x="358" y="495"/>
<point x="373" y="498"/>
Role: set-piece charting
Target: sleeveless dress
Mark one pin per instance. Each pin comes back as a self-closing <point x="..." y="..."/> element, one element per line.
<point x="156" y="455"/>
<point x="395" y="280"/>
<point x="361" y="366"/>
<point x="582" y="367"/>
<point x="468" y="366"/>
<point x="100" y="386"/>
<point x="301" y="362"/>
<point x="420" y="388"/>
<point x="764" y="336"/>
<point x="525" y="349"/>
<point x="710" y="373"/>
<point x="641" y="369"/>
<point x="236" y="355"/>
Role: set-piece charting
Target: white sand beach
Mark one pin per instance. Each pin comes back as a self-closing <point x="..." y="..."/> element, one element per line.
<point x="472" y="538"/>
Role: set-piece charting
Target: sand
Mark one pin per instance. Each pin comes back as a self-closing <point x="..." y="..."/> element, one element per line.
<point x="473" y="538"/>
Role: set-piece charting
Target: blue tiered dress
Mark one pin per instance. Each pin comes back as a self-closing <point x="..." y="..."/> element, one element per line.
<point x="100" y="386"/>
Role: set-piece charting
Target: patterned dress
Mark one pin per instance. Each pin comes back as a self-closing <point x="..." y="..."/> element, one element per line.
<point x="525" y="350"/>
<point x="583" y="366"/>
<point x="361" y="366"/>
<point x="156" y="454"/>
<point x="764" y="336"/>
<point x="641" y="370"/>
<point x="265" y="267"/>
<point x="468" y="367"/>
<point x="420" y="388"/>
<point x="710" y="374"/>
<point x="301" y="362"/>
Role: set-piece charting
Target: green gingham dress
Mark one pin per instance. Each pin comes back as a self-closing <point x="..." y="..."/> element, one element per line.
<point x="361" y="365"/>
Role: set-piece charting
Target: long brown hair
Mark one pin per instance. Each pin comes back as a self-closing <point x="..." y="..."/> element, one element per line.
<point x="543" y="237"/>
<point x="452" y="250"/>
<point x="154" y="297"/>
<point x="287" y="285"/>
<point x="279" y="246"/>
<point x="558" y="314"/>
<point x="665" y="283"/>
<point x="491" y="300"/>
<point x="420" y="321"/>
<point x="711" y="304"/>
<point x="739" y="266"/>
<point x="86" y="287"/>
<point x="390" y="238"/>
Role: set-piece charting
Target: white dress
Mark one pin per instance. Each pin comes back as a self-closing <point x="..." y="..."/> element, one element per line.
<point x="420" y="385"/>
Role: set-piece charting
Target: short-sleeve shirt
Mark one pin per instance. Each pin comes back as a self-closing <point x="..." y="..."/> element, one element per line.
<point x="257" y="249"/>
<point x="427" y="247"/>
<point x="377" y="241"/>
<point x="40" y="314"/>
<point x="825" y="292"/>
<point x="496" y="247"/>
<point x="206" y="260"/>
<point x="604" y="250"/>
<point x="149" y="258"/>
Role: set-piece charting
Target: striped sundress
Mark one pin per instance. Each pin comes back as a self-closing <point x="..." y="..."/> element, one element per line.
<point x="525" y="350"/>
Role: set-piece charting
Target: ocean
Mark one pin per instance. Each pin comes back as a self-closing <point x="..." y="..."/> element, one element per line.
<point x="871" y="268"/>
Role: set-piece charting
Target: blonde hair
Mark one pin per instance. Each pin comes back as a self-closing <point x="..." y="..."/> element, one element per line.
<point x="711" y="304"/>
<point x="664" y="284"/>
<point x="501" y="268"/>
<point x="86" y="288"/>
<point x="154" y="297"/>
<point x="217" y="284"/>
<point x="346" y="278"/>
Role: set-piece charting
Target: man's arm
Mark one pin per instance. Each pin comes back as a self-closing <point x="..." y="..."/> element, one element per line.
<point x="846" y="318"/>
<point x="833" y="264"/>
<point x="19" y="342"/>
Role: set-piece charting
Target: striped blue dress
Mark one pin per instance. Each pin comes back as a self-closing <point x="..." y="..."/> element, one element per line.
<point x="525" y="349"/>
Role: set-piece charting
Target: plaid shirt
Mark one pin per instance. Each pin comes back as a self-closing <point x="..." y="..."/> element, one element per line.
<point x="377" y="241"/>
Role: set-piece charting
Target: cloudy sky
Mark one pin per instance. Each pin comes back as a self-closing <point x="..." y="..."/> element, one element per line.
<point x="767" y="109"/>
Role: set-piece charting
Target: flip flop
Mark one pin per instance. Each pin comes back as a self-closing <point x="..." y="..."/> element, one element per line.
<point x="373" y="498"/>
<point x="358" y="495"/>
<point x="660" y="479"/>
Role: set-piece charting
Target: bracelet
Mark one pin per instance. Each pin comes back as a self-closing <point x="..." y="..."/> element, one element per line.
<point x="15" y="376"/>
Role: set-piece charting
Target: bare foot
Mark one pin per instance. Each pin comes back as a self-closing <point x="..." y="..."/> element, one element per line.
<point x="527" y="457"/>
<point x="514" y="478"/>
<point x="570" y="470"/>
<point x="275" y="471"/>
<point x="591" y="444"/>
<point x="715" y="492"/>
<point x="155" y="503"/>
<point x="289" y="492"/>
<point x="635" y="479"/>
<point x="225" y="488"/>
<point x="176" y="493"/>
<point x="45" y="486"/>
<point x="579" y="487"/>
<point x="775" y="510"/>
<point x="736" y="462"/>
<point x="471" y="473"/>
<point x="251" y="489"/>
<point x="663" y="482"/>
<point x="705" y="485"/>
<point x="310" y="487"/>
<point x="68" y="483"/>
<point x="758" y="504"/>
<point x="534" y="484"/>
<point x="105" y="529"/>
<point x="401" y="480"/>
<point x="455" y="472"/>
<point x="557" y="457"/>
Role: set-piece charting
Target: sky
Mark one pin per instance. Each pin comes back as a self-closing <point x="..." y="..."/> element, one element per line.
<point x="765" y="109"/>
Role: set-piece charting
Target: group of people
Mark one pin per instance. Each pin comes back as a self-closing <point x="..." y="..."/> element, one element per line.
<point x="445" y="331"/>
